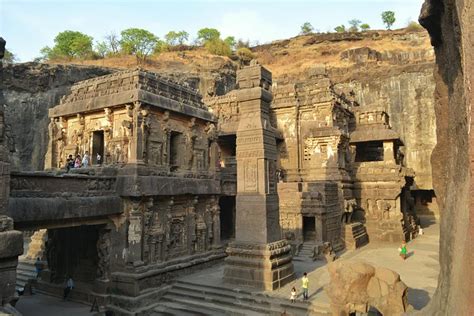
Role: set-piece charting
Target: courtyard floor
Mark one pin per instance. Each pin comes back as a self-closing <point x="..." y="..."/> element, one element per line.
<point x="419" y="272"/>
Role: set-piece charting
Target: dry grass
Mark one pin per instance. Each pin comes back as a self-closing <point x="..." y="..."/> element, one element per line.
<point x="284" y="58"/>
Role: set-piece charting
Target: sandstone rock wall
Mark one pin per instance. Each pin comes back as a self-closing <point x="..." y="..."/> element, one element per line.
<point x="451" y="26"/>
<point x="30" y="89"/>
<point x="407" y="95"/>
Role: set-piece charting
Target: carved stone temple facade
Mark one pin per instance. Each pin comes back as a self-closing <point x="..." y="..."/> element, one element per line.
<point x="145" y="212"/>
<point x="183" y="183"/>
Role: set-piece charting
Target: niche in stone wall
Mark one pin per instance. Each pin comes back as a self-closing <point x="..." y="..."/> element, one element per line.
<point x="369" y="151"/>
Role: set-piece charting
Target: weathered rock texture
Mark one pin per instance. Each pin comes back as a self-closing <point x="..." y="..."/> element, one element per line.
<point x="30" y="89"/>
<point x="356" y="286"/>
<point x="451" y="26"/>
<point x="11" y="241"/>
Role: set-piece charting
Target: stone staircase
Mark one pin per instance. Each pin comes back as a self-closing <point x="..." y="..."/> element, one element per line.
<point x="24" y="272"/>
<point x="306" y="251"/>
<point x="355" y="236"/>
<point x="189" y="298"/>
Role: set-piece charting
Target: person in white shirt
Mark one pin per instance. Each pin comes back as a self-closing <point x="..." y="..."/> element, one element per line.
<point x="68" y="288"/>
<point x="85" y="160"/>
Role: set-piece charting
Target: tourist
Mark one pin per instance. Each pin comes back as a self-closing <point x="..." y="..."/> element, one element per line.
<point x="99" y="159"/>
<point x="305" y="282"/>
<point x="38" y="267"/>
<point x="293" y="294"/>
<point x="85" y="160"/>
<point x="68" y="288"/>
<point x="403" y="250"/>
<point x="70" y="163"/>
<point x="77" y="162"/>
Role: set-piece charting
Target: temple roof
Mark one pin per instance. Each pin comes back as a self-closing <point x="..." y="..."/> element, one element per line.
<point x="130" y="86"/>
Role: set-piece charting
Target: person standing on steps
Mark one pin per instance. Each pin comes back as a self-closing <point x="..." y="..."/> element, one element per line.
<point x="38" y="267"/>
<point x="305" y="286"/>
<point x="99" y="159"/>
<point x="85" y="160"/>
<point x="293" y="294"/>
<point x="68" y="288"/>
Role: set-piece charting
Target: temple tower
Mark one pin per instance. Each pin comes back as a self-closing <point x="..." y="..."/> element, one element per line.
<point x="258" y="257"/>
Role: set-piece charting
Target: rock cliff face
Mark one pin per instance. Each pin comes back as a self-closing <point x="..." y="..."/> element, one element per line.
<point x="407" y="95"/>
<point x="30" y="89"/>
<point x="451" y="27"/>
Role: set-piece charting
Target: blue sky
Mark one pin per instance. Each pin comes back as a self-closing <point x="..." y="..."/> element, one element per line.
<point x="29" y="25"/>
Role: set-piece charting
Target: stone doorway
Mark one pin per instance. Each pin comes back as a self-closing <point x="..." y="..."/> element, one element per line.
<point x="309" y="228"/>
<point x="72" y="252"/>
<point x="227" y="217"/>
<point x="97" y="145"/>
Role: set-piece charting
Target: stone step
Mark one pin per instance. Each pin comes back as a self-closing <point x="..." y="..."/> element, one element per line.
<point x="201" y="306"/>
<point x="243" y="298"/>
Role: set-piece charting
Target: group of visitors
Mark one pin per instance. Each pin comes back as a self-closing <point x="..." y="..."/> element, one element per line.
<point x="304" y="288"/>
<point x="79" y="162"/>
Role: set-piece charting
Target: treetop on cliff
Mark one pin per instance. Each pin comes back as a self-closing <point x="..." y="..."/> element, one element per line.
<point x="388" y="18"/>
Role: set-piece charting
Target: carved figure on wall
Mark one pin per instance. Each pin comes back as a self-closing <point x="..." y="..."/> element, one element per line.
<point x="386" y="207"/>
<point x="191" y="216"/>
<point x="201" y="232"/>
<point x="216" y="222"/>
<point x="103" y="251"/>
<point x="209" y="220"/>
<point x="168" y="220"/>
<point x="146" y="130"/>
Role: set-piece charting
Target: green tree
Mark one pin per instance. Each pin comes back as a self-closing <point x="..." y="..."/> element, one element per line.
<point x="173" y="38"/>
<point x="413" y="26"/>
<point x="365" y="27"/>
<point x="230" y="40"/>
<point x="69" y="45"/>
<point x="102" y="49"/>
<point x="388" y="18"/>
<point x="9" y="57"/>
<point x="354" y="23"/>
<point x="340" y="28"/>
<point x="245" y="55"/>
<point x="207" y="34"/>
<point x="138" y="42"/>
<point x="306" y="28"/>
<point x="218" y="47"/>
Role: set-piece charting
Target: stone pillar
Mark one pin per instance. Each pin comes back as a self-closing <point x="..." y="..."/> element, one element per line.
<point x="11" y="241"/>
<point x="135" y="235"/>
<point x="258" y="257"/>
<point x="136" y="139"/>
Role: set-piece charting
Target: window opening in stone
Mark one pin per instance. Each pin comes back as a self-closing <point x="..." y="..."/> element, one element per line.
<point x="369" y="151"/>
<point x="175" y="141"/>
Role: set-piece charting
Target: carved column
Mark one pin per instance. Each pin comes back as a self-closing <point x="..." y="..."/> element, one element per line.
<point x="258" y="257"/>
<point x="135" y="234"/>
<point x="136" y="139"/>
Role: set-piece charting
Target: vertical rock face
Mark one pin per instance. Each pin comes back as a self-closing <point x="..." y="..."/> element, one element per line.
<point x="407" y="96"/>
<point x="30" y="90"/>
<point x="451" y="27"/>
<point x="11" y="241"/>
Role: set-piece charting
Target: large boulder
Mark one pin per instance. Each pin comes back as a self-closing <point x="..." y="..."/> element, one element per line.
<point x="355" y="286"/>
